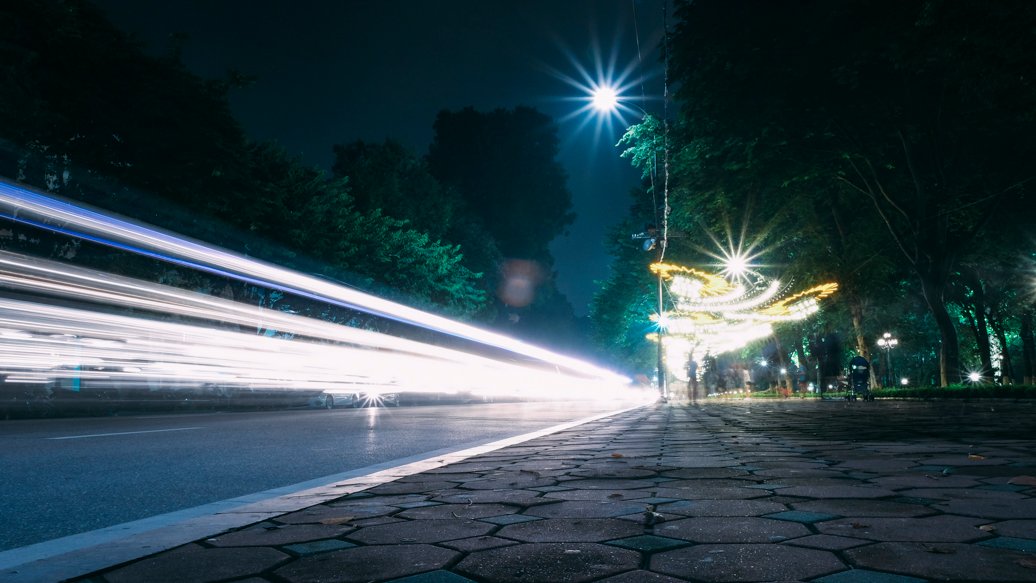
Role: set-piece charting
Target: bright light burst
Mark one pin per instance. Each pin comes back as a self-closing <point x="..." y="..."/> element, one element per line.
<point x="604" y="98"/>
<point x="603" y="91"/>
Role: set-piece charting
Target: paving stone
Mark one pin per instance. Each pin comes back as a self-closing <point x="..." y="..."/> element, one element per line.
<point x="648" y="543"/>
<point x="1024" y="545"/>
<point x="802" y="473"/>
<point x="1016" y="528"/>
<point x="512" y="480"/>
<point x="611" y="473"/>
<point x="363" y="564"/>
<point x="403" y="487"/>
<point x="639" y="495"/>
<point x="865" y="576"/>
<point x="991" y="508"/>
<point x="751" y="562"/>
<point x="505" y="519"/>
<point x="569" y="562"/>
<point x="477" y="543"/>
<point x="826" y="542"/>
<point x="731" y="530"/>
<point x="587" y="509"/>
<point x="433" y="577"/>
<point x="420" y="531"/>
<point x="926" y="480"/>
<point x="699" y="473"/>
<point x="801" y="516"/>
<point x="721" y="507"/>
<point x="570" y="530"/>
<point x="733" y="493"/>
<point x="946" y="561"/>
<point x="420" y="504"/>
<point x="863" y="508"/>
<point x="942" y="528"/>
<point x="445" y="511"/>
<point x="521" y="498"/>
<point x="608" y="484"/>
<point x="270" y="536"/>
<point x="947" y="494"/>
<point x="883" y="465"/>
<point x="381" y="499"/>
<point x="846" y="491"/>
<point x="640" y="577"/>
<point x="322" y="513"/>
<point x="316" y="547"/>
<point x="197" y="564"/>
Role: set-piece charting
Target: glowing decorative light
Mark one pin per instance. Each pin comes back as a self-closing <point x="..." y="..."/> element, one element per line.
<point x="721" y="315"/>
<point x="974" y="377"/>
<point x="904" y="381"/>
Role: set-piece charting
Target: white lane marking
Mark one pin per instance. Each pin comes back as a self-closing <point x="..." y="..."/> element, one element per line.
<point x="125" y="433"/>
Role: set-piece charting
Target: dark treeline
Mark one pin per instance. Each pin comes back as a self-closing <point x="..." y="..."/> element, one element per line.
<point x="885" y="145"/>
<point x="88" y="114"/>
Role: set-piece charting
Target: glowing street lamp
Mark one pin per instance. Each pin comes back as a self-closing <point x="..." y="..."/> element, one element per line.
<point x="604" y="98"/>
<point x="886" y="343"/>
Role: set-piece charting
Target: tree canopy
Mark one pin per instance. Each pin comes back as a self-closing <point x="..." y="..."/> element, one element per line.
<point x="875" y="142"/>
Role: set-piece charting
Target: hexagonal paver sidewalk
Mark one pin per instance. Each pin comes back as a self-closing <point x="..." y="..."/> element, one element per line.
<point x="813" y="491"/>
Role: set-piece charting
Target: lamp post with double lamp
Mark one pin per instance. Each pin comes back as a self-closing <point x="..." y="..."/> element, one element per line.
<point x="605" y="100"/>
<point x="886" y="343"/>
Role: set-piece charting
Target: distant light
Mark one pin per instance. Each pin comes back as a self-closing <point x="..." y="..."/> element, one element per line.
<point x="904" y="381"/>
<point x="784" y="371"/>
<point x="604" y="98"/>
<point x="974" y="377"/>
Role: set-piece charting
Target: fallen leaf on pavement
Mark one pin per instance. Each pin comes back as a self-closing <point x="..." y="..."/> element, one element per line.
<point x="975" y="456"/>
<point x="616" y="455"/>
<point x="987" y="527"/>
<point x="615" y="495"/>
<point x="859" y="525"/>
<point x="1022" y="481"/>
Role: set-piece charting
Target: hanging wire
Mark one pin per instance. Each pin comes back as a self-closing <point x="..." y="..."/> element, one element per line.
<point x="665" y="127"/>
<point x="662" y="211"/>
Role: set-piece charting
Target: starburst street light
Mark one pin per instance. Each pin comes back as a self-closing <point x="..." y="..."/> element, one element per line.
<point x="604" y="98"/>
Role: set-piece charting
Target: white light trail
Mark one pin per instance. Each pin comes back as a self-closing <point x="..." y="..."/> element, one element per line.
<point x="27" y="206"/>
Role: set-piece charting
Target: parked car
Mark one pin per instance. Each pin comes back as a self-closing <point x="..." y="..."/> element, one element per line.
<point x="332" y="399"/>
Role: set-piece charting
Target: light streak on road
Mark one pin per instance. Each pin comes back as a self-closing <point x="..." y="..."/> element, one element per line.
<point x="26" y="206"/>
<point x="159" y="338"/>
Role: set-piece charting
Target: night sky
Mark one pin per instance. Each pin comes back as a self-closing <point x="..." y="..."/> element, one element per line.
<point x="337" y="71"/>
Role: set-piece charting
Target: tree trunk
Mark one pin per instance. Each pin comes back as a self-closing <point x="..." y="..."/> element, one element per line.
<point x="949" y="350"/>
<point x="856" y="313"/>
<point x="1006" y="366"/>
<point x="1028" y="348"/>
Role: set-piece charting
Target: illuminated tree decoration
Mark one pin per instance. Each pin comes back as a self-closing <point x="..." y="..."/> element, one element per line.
<point x="713" y="315"/>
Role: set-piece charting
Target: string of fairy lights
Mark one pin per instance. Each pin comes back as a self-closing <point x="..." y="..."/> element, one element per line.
<point x="713" y="314"/>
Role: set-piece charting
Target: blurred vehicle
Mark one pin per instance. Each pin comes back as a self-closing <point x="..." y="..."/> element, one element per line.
<point x="332" y="399"/>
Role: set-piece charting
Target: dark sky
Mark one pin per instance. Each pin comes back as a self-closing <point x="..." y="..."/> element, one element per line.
<point x="335" y="71"/>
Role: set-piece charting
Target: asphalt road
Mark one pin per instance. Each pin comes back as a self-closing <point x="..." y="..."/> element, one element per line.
<point x="65" y="476"/>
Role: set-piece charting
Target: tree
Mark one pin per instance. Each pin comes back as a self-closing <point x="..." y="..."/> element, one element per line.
<point x="389" y="177"/>
<point x="504" y="165"/>
<point x="81" y="101"/>
<point x="921" y="109"/>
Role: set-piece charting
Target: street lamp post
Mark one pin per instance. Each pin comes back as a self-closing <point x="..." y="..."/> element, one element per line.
<point x="886" y="343"/>
<point x="605" y="100"/>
